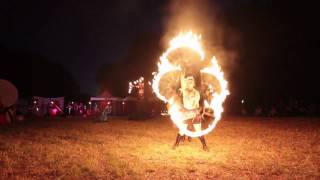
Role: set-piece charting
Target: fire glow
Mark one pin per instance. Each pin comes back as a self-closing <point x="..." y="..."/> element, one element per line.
<point x="178" y="116"/>
<point x="136" y="84"/>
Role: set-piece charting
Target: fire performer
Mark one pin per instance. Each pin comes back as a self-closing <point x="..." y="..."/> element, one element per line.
<point x="202" y="111"/>
<point x="190" y="101"/>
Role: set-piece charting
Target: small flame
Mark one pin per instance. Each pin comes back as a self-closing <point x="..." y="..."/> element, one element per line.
<point x="136" y="84"/>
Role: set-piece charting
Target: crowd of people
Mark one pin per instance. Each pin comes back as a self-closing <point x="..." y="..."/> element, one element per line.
<point x="54" y="108"/>
<point x="76" y="109"/>
<point x="281" y="109"/>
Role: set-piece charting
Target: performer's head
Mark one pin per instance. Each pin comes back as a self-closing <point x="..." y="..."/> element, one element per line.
<point x="190" y="82"/>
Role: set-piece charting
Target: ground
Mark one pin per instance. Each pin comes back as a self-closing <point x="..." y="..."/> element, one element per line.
<point x="240" y="147"/>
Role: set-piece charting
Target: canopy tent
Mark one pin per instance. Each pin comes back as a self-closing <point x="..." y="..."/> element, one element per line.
<point x="97" y="98"/>
<point x="98" y="104"/>
<point x="126" y="106"/>
<point x="43" y="106"/>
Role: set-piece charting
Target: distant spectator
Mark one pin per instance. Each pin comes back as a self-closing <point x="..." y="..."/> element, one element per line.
<point x="258" y="111"/>
<point x="312" y="108"/>
<point x="272" y="112"/>
<point x="243" y="111"/>
<point x="69" y="109"/>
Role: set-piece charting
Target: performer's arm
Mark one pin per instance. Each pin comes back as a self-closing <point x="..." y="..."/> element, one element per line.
<point x="182" y="81"/>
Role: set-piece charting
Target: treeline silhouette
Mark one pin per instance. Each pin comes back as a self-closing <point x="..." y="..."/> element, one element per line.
<point x="33" y="74"/>
<point x="140" y="60"/>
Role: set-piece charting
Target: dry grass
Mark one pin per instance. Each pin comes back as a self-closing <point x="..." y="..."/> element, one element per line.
<point x="240" y="148"/>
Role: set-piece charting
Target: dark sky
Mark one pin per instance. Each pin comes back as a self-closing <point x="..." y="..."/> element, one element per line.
<point x="81" y="35"/>
<point x="277" y="49"/>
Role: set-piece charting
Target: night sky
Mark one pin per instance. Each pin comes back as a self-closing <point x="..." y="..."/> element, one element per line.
<point x="276" y="46"/>
<point x="79" y="35"/>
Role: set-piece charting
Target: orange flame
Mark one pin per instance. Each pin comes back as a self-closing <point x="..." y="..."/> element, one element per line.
<point x="192" y="41"/>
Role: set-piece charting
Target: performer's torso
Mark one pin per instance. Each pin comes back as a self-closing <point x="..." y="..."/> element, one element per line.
<point x="191" y="99"/>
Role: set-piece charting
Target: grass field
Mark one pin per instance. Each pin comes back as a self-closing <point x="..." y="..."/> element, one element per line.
<point x="240" y="148"/>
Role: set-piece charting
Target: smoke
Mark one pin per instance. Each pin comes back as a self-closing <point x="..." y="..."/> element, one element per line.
<point x="205" y="18"/>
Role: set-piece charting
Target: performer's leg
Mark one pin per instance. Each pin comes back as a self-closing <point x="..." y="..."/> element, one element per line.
<point x="203" y="142"/>
<point x="189" y="138"/>
<point x="179" y="137"/>
<point x="197" y="127"/>
<point x="183" y="138"/>
<point x="189" y="128"/>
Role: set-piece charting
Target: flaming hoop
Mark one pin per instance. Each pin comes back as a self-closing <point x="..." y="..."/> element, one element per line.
<point x="171" y="65"/>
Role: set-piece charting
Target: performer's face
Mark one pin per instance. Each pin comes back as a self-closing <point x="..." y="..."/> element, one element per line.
<point x="190" y="83"/>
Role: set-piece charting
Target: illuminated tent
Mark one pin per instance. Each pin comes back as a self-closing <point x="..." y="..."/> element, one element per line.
<point x="119" y="106"/>
<point x="8" y="99"/>
<point x="44" y="105"/>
